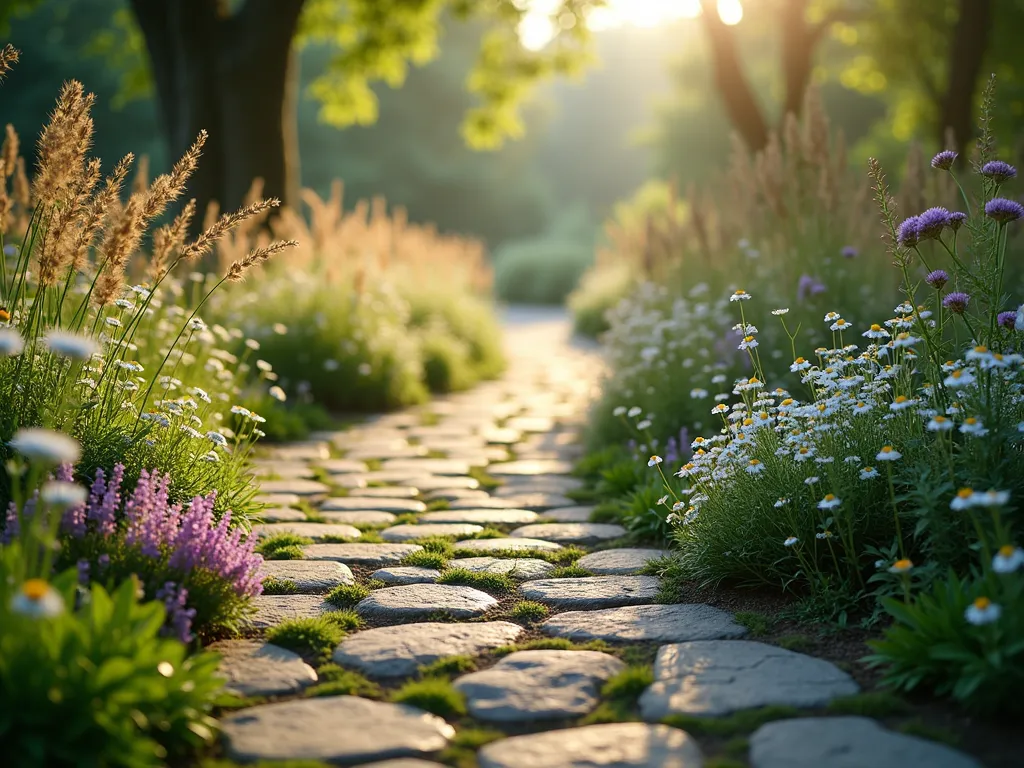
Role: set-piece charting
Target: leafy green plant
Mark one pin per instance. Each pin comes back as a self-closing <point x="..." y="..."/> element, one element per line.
<point x="283" y="546"/>
<point x="315" y="637"/>
<point x="333" y="680"/>
<point x="272" y="585"/>
<point x="529" y="611"/>
<point x="450" y="665"/>
<point x="490" y="582"/>
<point x="347" y="595"/>
<point x="432" y="694"/>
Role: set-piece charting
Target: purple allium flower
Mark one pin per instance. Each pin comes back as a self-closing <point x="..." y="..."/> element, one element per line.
<point x="956" y="302"/>
<point x="937" y="278"/>
<point x="849" y="252"/>
<point x="809" y="286"/>
<point x="956" y="218"/>
<point x="1003" y="210"/>
<point x="906" y="233"/>
<point x="179" y="618"/>
<point x="1008" y="319"/>
<point x="944" y="160"/>
<point x="931" y="223"/>
<point x="998" y="171"/>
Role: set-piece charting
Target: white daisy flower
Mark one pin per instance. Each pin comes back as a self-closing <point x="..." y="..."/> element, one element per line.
<point x="939" y="424"/>
<point x="959" y="378"/>
<point x="982" y="611"/>
<point x="740" y="295"/>
<point x="654" y="461"/>
<point x="755" y="467"/>
<point x="792" y="540"/>
<point x="888" y="453"/>
<point x="11" y="343"/>
<point x="867" y="473"/>
<point x="38" y="600"/>
<point x="831" y="501"/>
<point x="973" y="426"/>
<point x="780" y="312"/>
<point x="1008" y="559"/>
<point x="46" y="446"/>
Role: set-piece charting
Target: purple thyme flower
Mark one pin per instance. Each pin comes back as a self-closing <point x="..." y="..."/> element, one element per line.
<point x="1003" y="210"/>
<point x="808" y="287"/>
<point x="956" y="218"/>
<point x="1008" y="319"/>
<point x="906" y="233"/>
<point x="944" y="160"/>
<point x="998" y="171"/>
<point x="956" y="302"/>
<point x="931" y="223"/>
<point x="179" y="618"/>
<point x="849" y="252"/>
<point x="104" y="500"/>
<point x="937" y="278"/>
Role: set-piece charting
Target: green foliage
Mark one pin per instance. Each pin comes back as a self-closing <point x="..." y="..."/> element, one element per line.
<point x="272" y="585"/>
<point x="316" y="637"/>
<point x="568" y="572"/>
<point x="347" y="595"/>
<point x="757" y="624"/>
<point x="448" y="666"/>
<point x="425" y="559"/>
<point x="739" y="723"/>
<point x="529" y="611"/>
<point x="490" y="582"/>
<point x="461" y="750"/>
<point x="599" y="290"/>
<point x="336" y="681"/>
<point x="432" y="694"/>
<point x="626" y="686"/>
<point x="124" y="696"/>
<point x="282" y="546"/>
<point x="553" y="644"/>
<point x="878" y="704"/>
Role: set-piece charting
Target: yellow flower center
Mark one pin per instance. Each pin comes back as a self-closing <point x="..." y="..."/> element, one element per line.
<point x="35" y="589"/>
<point x="982" y="603"/>
<point x="901" y="399"/>
<point x="830" y="497"/>
<point x="804" y="451"/>
<point x="840" y="321"/>
<point x="886" y="449"/>
<point x="970" y="421"/>
<point x="941" y="419"/>
<point x="1006" y="550"/>
<point x="903" y="565"/>
<point x="981" y="349"/>
<point x="965" y="493"/>
<point x="787" y="401"/>
<point x="876" y="327"/>
<point x="748" y="338"/>
<point x="4" y="315"/>
<point x="754" y="462"/>
<point x="869" y="469"/>
<point x="799" y="361"/>
<point x="740" y="293"/>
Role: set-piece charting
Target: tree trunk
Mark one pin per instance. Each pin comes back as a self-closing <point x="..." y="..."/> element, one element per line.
<point x="733" y="88"/>
<point x="234" y="76"/>
<point x="798" y="43"/>
<point x="966" y="55"/>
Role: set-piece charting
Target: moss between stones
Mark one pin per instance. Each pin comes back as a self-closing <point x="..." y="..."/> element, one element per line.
<point x="868" y="704"/>
<point x="757" y="624"/>
<point x="347" y="595"/>
<point x="272" y="585"/>
<point x="335" y="681"/>
<point x="436" y="695"/>
<point x="426" y="560"/>
<point x="490" y="582"/>
<point x="461" y="750"/>
<point x="314" y="638"/>
<point x="528" y="611"/>
<point x="282" y="546"/>
<point x="450" y="665"/>
<point x="736" y="724"/>
<point x="568" y="572"/>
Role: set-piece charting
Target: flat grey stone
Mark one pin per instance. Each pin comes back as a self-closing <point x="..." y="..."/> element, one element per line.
<point x="538" y="685"/>
<point x="294" y="452"/>
<point x="397" y="476"/>
<point x="282" y="515"/>
<point x="568" y="515"/>
<point x="619" y="561"/>
<point x="530" y="467"/>
<point x="481" y="516"/>
<point x="342" y="466"/>
<point x="494" y="545"/>
<point x="406" y="574"/>
<point x="400" y="651"/>
<point x="314" y="531"/>
<point x="593" y="591"/>
<point x="611" y="745"/>
<point x="366" y="517"/>
<point x="283" y="470"/>
<point x="522" y="568"/>
<point x="361" y="554"/>
<point x="254" y="668"/>
<point x="308" y="575"/>
<point x="418" y="600"/>
<point x="350" y="504"/>
<point x="382" y="451"/>
<point x="715" y="678"/>
<point x="483" y="503"/>
<point x="846" y="742"/>
<point x="298" y="487"/>
<point x="412" y="532"/>
<point x="271" y="610"/>
<point x="538" y="501"/>
<point x="277" y="499"/>
<point x="340" y="729"/>
<point x="442" y="482"/>
<point x="571" y="533"/>
<point x="427" y="466"/>
<point x="539" y="483"/>
<point x="384" y="492"/>
<point x="456" y="494"/>
<point x="646" y="623"/>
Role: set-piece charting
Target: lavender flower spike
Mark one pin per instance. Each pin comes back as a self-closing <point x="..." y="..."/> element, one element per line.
<point x="937" y="278"/>
<point x="944" y="160"/>
<point x="931" y="223"/>
<point x="998" y="171"/>
<point x="906" y="233"/>
<point x="956" y="302"/>
<point x="1003" y="210"/>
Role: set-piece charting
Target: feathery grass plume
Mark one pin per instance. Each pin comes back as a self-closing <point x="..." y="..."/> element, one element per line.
<point x="57" y="250"/>
<point x="236" y="272"/>
<point x="63" y="144"/>
<point x="203" y="244"/>
<point x="97" y="211"/>
<point x="816" y="128"/>
<point x="22" y="189"/>
<point x="168" y="239"/>
<point x="119" y="243"/>
<point x="140" y="182"/>
<point x="5" y="201"/>
<point x="986" y="137"/>
<point x="168" y="187"/>
<point x="8" y="58"/>
<point x="9" y="151"/>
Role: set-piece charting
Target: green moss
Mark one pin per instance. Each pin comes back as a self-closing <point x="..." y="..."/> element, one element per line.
<point x="737" y="747"/>
<point x="627" y="685"/>
<point x="272" y="585"/>
<point x="461" y="750"/>
<point x="868" y="704"/>
<point x="450" y="665"/>
<point x="552" y="644"/>
<point x="370" y="537"/>
<point x="529" y="611"/>
<point x="724" y="762"/>
<point x="312" y="637"/>
<point x="347" y="595"/>
<point x="487" y="482"/>
<point x="489" y="533"/>
<point x="426" y="560"/>
<point x="799" y="643"/>
<point x="233" y="701"/>
<point x="437" y="505"/>
<point x="432" y="694"/>
<point x="737" y="724"/>
<point x="563" y="556"/>
<point x="282" y="546"/>
<point x="610" y="712"/>
<point x="639" y="655"/>
<point x="335" y="681"/>
<point x="757" y="624"/>
<point x="375" y="584"/>
<point x="441" y="545"/>
<point x="332" y="538"/>
<point x="406" y="518"/>
<point x="489" y="582"/>
<point x="922" y="729"/>
<point x="568" y="572"/>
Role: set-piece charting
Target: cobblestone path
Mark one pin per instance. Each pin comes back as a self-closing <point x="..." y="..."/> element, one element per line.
<point x="489" y="597"/>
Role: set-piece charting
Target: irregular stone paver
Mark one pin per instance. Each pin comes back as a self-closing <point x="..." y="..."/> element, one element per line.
<point x="315" y="531"/>
<point x="538" y="500"/>
<point x="343" y="729"/>
<point x="295" y="452"/>
<point x="443" y="482"/>
<point x="568" y="514"/>
<point x="531" y="424"/>
<point x="406" y="574"/>
<point x="385" y="492"/>
<point x="646" y="623"/>
<point x="342" y="466"/>
<point x="298" y="487"/>
<point x="481" y="516"/>
<point x="404" y="762"/>
<point x="619" y="561"/>
<point x="538" y="685"/>
<point x="846" y="742"/>
<point x="494" y="545"/>
<point x="427" y="466"/>
<point x="412" y="532"/>
<point x="593" y="591"/>
<point x="419" y="600"/>
<point x="612" y="745"/>
<point x="375" y="451"/>
<point x="282" y="515"/>
<point x="400" y="651"/>
<point x="277" y="499"/>
<point x="254" y="668"/>
<point x="349" y="504"/>
<point x="361" y="554"/>
<point x="308" y="575"/>
<point x="488" y="503"/>
<point x="522" y="568"/>
<point x="349" y="481"/>
<point x="271" y="610"/>
<point x="571" y="533"/>
<point x="539" y="483"/>
<point x="366" y="517"/>
<point x="455" y="494"/>
<point x="530" y="468"/>
<point x="714" y="678"/>
<point x="283" y="470"/>
<point x="501" y="435"/>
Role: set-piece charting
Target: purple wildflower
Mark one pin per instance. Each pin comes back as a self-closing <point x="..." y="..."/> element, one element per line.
<point x="103" y="561"/>
<point x="104" y="500"/>
<point x="906" y="233"/>
<point x="849" y="252"/>
<point x="685" y="451"/>
<point x="179" y="618"/>
<point x="944" y="160"/>
<point x="808" y="287"/>
<point x="937" y="278"/>
<point x="956" y="218"/>
<point x="931" y="223"/>
<point x="83" y="571"/>
<point x="152" y="520"/>
<point x="956" y="302"/>
<point x="1003" y="210"/>
<point x="671" y="451"/>
<point x="998" y="171"/>
<point x="1008" y="319"/>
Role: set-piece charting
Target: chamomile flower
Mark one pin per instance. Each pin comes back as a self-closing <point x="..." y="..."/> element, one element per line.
<point x="812" y="480"/>
<point x="781" y="503"/>
<point x="654" y="461"/>
<point x="901" y="403"/>
<point x="964" y="499"/>
<point x="992" y="498"/>
<point x="939" y="423"/>
<point x="755" y="467"/>
<point x="740" y="295"/>
<point x="277" y="393"/>
<point x="791" y="541"/>
<point x="780" y="312"/>
<point x="973" y="426"/>
<point x="876" y="332"/>
<point x="831" y="501"/>
<point x="698" y="394"/>
<point x="901" y="566"/>
<point x="38" y="600"/>
<point x="959" y="378"/>
<point x="888" y="453"/>
<point x="663" y="501"/>
<point x="839" y="325"/>
<point x="619" y="411"/>
<point x="634" y="412"/>
<point x="799" y="365"/>
<point x="749" y="342"/>
<point x="868" y="473"/>
<point x="645" y="424"/>
<point x="982" y="611"/>
<point x="720" y="408"/>
<point x="1008" y="559"/>
<point x="46" y="446"/>
<point x="861" y="407"/>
